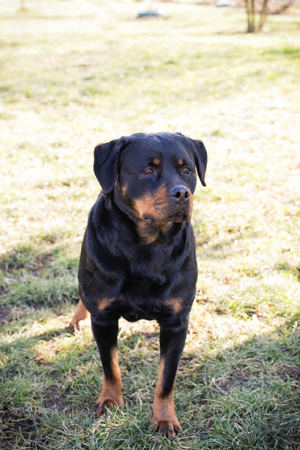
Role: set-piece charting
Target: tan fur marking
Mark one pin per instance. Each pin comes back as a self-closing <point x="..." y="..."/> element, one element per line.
<point x="124" y="190"/>
<point x="180" y="162"/>
<point x="149" y="238"/>
<point x="175" y="304"/>
<point x="104" y="303"/>
<point x="158" y="207"/>
<point x="164" y="415"/>
<point x="152" y="205"/>
<point x="80" y="317"/>
<point x="145" y="205"/>
<point x="156" y="161"/>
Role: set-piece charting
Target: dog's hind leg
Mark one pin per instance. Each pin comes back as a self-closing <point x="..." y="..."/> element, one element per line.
<point x="80" y="317"/>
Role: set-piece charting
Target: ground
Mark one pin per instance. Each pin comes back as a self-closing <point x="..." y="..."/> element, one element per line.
<point x="76" y="73"/>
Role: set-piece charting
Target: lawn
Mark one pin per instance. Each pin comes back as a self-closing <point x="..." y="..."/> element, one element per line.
<point x="75" y="73"/>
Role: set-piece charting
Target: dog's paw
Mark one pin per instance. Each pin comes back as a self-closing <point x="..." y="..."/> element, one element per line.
<point x="105" y="403"/>
<point x="166" y="428"/>
<point x="78" y="325"/>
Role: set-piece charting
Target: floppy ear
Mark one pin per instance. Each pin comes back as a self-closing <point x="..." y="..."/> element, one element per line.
<point x="106" y="160"/>
<point x="200" y="156"/>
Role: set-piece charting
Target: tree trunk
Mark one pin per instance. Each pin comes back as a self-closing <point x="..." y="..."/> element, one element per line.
<point x="263" y="15"/>
<point x="250" y="16"/>
<point x="252" y="26"/>
<point x="249" y="25"/>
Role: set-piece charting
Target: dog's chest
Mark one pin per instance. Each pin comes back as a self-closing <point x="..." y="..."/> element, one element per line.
<point x="145" y="298"/>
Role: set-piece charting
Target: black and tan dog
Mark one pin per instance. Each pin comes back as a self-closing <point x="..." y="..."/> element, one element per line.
<point x="138" y="255"/>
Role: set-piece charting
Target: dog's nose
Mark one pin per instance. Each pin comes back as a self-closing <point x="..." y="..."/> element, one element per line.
<point x="180" y="194"/>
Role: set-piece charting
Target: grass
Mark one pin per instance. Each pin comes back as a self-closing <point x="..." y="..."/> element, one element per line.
<point x="75" y="73"/>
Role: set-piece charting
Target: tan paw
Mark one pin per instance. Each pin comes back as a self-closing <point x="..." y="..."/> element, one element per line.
<point x="167" y="428"/>
<point x="104" y="403"/>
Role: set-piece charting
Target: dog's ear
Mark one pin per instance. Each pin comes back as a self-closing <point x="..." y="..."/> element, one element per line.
<point x="106" y="161"/>
<point x="200" y="156"/>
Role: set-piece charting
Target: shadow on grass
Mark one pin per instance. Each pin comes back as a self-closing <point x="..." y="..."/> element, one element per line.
<point x="38" y="273"/>
<point x="242" y="397"/>
<point x="247" y="393"/>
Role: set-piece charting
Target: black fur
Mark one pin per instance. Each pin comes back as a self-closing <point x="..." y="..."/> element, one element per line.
<point x="138" y="253"/>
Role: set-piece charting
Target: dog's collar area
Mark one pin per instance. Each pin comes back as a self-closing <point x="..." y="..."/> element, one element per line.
<point x="154" y="233"/>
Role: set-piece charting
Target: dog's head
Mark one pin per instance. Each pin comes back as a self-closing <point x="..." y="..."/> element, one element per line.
<point x="152" y="176"/>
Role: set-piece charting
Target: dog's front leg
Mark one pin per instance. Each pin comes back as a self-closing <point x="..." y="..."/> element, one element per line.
<point x="164" y="417"/>
<point x="111" y="393"/>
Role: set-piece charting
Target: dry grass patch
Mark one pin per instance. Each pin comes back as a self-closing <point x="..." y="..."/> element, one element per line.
<point x="76" y="73"/>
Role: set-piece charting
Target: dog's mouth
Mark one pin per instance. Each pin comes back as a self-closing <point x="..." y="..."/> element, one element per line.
<point x="177" y="216"/>
<point x="151" y="224"/>
<point x="164" y="207"/>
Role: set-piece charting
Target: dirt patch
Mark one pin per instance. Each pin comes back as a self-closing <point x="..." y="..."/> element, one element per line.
<point x="24" y="258"/>
<point x="42" y="261"/>
<point x="234" y="380"/>
<point x="5" y="316"/>
<point x="286" y="372"/>
<point x="18" y="429"/>
<point x="54" y="398"/>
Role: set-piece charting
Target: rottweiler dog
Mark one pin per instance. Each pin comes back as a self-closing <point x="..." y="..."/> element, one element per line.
<point x="138" y="255"/>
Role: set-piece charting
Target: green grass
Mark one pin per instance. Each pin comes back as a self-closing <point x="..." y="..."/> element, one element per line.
<point x="73" y="74"/>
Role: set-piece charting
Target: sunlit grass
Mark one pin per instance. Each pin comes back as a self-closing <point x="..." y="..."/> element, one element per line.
<point x="76" y="73"/>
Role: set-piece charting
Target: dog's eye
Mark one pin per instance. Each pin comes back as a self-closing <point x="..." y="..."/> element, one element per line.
<point x="186" y="170"/>
<point x="148" y="171"/>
